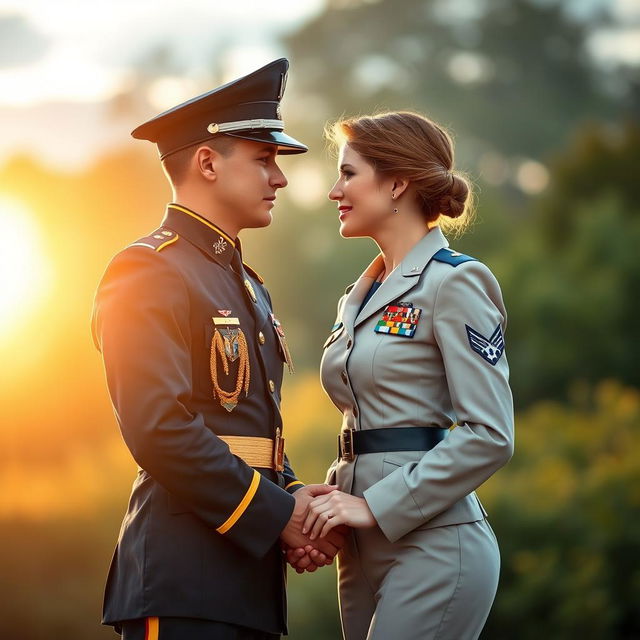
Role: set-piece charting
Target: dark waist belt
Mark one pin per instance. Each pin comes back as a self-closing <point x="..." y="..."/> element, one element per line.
<point x="352" y="442"/>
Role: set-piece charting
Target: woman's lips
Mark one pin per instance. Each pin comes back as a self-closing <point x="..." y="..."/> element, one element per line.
<point x="344" y="211"/>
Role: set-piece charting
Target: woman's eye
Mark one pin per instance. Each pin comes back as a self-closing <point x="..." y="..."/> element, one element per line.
<point x="347" y="174"/>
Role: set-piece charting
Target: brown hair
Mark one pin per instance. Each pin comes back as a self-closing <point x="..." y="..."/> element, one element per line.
<point x="176" y="164"/>
<point x="411" y="146"/>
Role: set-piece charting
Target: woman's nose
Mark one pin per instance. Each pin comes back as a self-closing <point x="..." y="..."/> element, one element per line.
<point x="335" y="193"/>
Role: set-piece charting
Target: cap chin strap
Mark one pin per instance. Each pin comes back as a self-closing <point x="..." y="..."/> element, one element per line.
<point x="240" y="125"/>
<point x="228" y="127"/>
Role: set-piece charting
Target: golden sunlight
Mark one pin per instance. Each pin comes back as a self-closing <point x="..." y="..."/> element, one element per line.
<point x="24" y="271"/>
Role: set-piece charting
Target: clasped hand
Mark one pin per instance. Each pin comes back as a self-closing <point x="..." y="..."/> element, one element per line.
<point x="319" y="524"/>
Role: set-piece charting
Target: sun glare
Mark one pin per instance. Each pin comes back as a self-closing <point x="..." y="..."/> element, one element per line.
<point x="23" y="269"/>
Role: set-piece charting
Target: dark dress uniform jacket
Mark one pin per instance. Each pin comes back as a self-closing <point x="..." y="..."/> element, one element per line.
<point x="200" y="536"/>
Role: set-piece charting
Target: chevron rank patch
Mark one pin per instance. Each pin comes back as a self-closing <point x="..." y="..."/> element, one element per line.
<point x="399" y="320"/>
<point x="490" y="349"/>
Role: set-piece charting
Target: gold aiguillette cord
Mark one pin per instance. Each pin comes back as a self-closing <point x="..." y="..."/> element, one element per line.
<point x="229" y="399"/>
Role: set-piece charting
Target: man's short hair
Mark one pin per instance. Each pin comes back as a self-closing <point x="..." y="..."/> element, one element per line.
<point x="176" y="164"/>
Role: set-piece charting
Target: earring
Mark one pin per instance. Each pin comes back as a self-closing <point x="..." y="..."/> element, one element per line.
<point x="393" y="197"/>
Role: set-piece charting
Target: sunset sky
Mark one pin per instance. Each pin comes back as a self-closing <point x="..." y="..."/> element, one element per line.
<point x="62" y="62"/>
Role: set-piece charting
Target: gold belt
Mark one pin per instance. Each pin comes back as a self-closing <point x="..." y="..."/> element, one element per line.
<point x="265" y="453"/>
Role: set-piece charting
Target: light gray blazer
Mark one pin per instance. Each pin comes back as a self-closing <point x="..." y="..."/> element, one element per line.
<point x="452" y="371"/>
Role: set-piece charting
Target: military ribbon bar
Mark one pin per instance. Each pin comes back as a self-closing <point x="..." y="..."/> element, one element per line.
<point x="397" y="320"/>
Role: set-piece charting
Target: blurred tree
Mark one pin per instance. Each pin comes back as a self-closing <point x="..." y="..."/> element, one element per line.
<point x="571" y="275"/>
<point x="514" y="74"/>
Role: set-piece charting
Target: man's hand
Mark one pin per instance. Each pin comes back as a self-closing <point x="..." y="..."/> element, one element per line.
<point x="302" y="553"/>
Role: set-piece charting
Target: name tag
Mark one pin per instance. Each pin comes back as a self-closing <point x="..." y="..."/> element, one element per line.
<point x="399" y="321"/>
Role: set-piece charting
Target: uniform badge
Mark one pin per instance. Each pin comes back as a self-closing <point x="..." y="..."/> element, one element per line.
<point x="283" y="342"/>
<point x="229" y="345"/>
<point x="231" y="339"/>
<point x="491" y="349"/>
<point x="400" y="320"/>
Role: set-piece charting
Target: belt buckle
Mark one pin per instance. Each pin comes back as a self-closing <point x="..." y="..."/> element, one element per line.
<point x="278" y="452"/>
<point x="346" y="445"/>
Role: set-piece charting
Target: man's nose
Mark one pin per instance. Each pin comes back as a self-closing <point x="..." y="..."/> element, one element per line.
<point x="278" y="179"/>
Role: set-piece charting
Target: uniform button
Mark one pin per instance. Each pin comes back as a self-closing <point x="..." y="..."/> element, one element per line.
<point x="261" y="338"/>
<point x="343" y="375"/>
<point x="349" y="343"/>
<point x="272" y="386"/>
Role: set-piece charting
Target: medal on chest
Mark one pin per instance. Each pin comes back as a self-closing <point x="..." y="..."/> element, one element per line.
<point x="229" y="345"/>
<point x="283" y="342"/>
<point x="401" y="320"/>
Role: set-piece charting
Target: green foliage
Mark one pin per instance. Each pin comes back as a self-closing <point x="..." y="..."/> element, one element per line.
<point x="566" y="511"/>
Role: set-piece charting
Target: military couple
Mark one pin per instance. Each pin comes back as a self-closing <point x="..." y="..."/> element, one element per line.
<point x="194" y="357"/>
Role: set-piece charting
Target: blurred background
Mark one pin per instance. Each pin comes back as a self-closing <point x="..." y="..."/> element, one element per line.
<point x="543" y="98"/>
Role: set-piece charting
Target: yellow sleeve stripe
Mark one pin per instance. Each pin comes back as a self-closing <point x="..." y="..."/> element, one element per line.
<point x="242" y="507"/>
<point x="293" y="484"/>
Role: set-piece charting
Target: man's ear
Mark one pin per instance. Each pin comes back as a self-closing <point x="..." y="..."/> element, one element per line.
<point x="205" y="160"/>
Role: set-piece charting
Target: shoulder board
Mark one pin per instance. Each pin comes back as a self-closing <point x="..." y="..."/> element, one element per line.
<point x="452" y="257"/>
<point x="158" y="240"/>
<point x="253" y="273"/>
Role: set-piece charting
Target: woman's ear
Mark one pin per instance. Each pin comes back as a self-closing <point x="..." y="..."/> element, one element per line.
<point x="399" y="187"/>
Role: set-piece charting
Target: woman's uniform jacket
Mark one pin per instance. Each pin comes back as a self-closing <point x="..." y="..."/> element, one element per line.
<point x="452" y="371"/>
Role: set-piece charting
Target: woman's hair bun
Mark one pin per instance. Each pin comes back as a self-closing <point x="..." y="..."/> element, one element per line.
<point x="452" y="204"/>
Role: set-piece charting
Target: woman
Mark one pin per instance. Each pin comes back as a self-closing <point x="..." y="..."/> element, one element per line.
<point x="417" y="347"/>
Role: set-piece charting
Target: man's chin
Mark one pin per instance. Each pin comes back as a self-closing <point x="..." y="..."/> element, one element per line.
<point x="260" y="221"/>
<point x="267" y="220"/>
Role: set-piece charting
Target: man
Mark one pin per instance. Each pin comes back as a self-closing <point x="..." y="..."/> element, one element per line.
<point x="194" y="359"/>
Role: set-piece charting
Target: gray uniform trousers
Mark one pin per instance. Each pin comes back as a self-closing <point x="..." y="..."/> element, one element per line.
<point x="432" y="584"/>
<point x="429" y="569"/>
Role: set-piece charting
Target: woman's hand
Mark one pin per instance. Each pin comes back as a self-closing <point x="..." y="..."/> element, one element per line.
<point x="336" y="508"/>
<point x="299" y="552"/>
